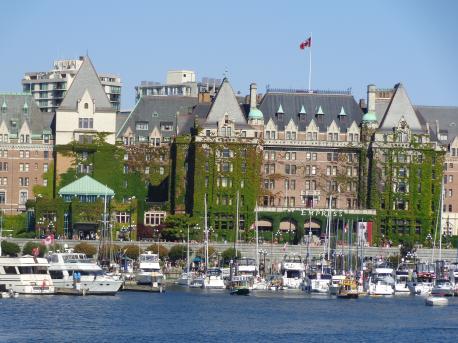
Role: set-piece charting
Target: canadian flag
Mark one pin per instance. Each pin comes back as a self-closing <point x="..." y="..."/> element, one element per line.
<point x="48" y="240"/>
<point x="306" y="44"/>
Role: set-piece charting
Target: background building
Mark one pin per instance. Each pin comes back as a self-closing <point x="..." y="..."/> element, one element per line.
<point x="179" y="83"/>
<point x="49" y="88"/>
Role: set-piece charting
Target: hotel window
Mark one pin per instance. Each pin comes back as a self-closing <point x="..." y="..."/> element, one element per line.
<point x="146" y="170"/>
<point x="154" y="218"/>
<point x="307" y="185"/>
<point x="450" y="208"/>
<point x="141" y="125"/>
<point x="328" y="170"/>
<point x="45" y="167"/>
<point x="122" y="217"/>
<point x="4" y="181"/>
<point x="2" y="197"/>
<point x="4" y="166"/>
<point x="161" y="170"/>
<point x="272" y="156"/>
<point x="21" y="153"/>
<point x="23" y="197"/>
<point x="308" y="156"/>
<point x="266" y="155"/>
<point x="450" y="193"/>
<point x="21" y="167"/>
<point x="45" y="154"/>
<point x="450" y="178"/>
<point x="85" y="123"/>
<point x="290" y="169"/>
<point x="313" y="170"/>
<point x="45" y="182"/>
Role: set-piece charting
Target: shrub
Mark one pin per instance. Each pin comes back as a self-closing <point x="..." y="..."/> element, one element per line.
<point x="177" y="252"/>
<point x="10" y="249"/>
<point x="29" y="246"/>
<point x="154" y="248"/>
<point x="201" y="251"/>
<point x="85" y="248"/>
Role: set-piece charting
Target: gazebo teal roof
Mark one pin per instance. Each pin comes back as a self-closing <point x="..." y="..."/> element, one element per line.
<point x="255" y="114"/>
<point x="86" y="186"/>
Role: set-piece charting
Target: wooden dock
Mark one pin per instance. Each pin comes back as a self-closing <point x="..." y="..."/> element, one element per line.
<point x="131" y="286"/>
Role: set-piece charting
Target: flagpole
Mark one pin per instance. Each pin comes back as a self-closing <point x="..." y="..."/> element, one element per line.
<point x="310" y="64"/>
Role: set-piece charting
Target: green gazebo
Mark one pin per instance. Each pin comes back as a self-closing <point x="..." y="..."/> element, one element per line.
<point x="85" y="195"/>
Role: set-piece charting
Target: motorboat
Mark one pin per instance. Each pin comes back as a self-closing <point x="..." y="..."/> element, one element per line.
<point x="453" y="275"/>
<point x="442" y="288"/>
<point x="400" y="282"/>
<point x="25" y="275"/>
<point x="423" y="277"/>
<point x="293" y="272"/>
<point x="185" y="278"/>
<point x="381" y="282"/>
<point x="149" y="270"/>
<point x="336" y="282"/>
<point x="214" y="279"/>
<point x="75" y="271"/>
<point x="436" y="301"/>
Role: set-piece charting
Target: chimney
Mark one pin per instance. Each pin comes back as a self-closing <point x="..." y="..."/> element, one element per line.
<point x="437" y="128"/>
<point x="362" y="104"/>
<point x="427" y="128"/>
<point x="371" y="98"/>
<point x="253" y="98"/>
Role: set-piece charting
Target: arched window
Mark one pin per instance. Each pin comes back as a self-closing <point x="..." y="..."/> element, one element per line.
<point x="86" y="105"/>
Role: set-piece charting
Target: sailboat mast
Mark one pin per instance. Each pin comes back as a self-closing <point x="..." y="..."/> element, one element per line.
<point x="257" y="237"/>
<point x="236" y="225"/>
<point x="440" y="219"/>
<point x="206" y="233"/>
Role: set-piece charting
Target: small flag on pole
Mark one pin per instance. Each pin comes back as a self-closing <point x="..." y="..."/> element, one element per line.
<point x="306" y="44"/>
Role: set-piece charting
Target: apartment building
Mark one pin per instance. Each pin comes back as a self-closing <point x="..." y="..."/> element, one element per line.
<point x="49" y="88"/>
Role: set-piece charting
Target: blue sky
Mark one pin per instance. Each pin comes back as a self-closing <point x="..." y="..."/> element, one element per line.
<point x="354" y="42"/>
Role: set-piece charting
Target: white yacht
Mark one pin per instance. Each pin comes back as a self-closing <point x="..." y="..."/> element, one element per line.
<point x="423" y="277"/>
<point x="453" y="275"/>
<point x="293" y="272"/>
<point x="320" y="280"/>
<point x="149" y="270"/>
<point x="381" y="282"/>
<point x="442" y="288"/>
<point x="70" y="270"/>
<point x="400" y="282"/>
<point x="25" y="275"/>
<point x="214" y="279"/>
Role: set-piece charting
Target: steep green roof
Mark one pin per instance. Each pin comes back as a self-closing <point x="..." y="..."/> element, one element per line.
<point x="369" y="117"/>
<point x="255" y="114"/>
<point x="86" y="186"/>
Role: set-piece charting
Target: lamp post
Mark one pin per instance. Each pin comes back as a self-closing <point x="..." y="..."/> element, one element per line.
<point x="131" y="222"/>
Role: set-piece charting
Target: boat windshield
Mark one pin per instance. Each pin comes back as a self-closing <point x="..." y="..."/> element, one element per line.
<point x="293" y="274"/>
<point x="214" y="272"/>
<point x="246" y="262"/>
<point x="293" y="259"/>
<point x="75" y="258"/>
<point x="149" y="258"/>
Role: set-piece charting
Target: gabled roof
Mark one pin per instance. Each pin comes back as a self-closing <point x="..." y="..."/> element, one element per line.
<point x="20" y="108"/>
<point x="446" y="117"/>
<point x="86" y="79"/>
<point x="400" y="107"/>
<point x="86" y="186"/>
<point x="155" y="110"/>
<point x="225" y="102"/>
<point x="293" y="103"/>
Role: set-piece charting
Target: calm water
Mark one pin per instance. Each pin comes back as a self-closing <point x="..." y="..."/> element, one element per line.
<point x="200" y="316"/>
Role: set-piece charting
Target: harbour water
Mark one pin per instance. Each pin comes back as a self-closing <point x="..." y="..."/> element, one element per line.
<point x="202" y="316"/>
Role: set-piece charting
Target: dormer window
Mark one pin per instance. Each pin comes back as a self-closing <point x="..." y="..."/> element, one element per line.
<point x="342" y="115"/>
<point x="86" y="106"/>
<point x="25" y="109"/>
<point x="4" y="107"/>
<point x="226" y="119"/>
<point x="302" y="114"/>
<point x="280" y="113"/>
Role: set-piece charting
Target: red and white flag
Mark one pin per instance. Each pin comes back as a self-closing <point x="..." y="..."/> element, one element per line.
<point x="306" y="44"/>
<point x="48" y="240"/>
<point x="285" y="246"/>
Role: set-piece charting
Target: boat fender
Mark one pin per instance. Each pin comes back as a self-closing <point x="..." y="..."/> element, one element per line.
<point x="43" y="284"/>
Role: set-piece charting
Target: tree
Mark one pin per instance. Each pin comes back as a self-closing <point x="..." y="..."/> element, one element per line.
<point x="155" y="248"/>
<point x="132" y="251"/>
<point x="10" y="249"/>
<point x="176" y="226"/>
<point x="177" y="252"/>
<point x="29" y="246"/>
<point x="85" y="248"/>
<point x="229" y="254"/>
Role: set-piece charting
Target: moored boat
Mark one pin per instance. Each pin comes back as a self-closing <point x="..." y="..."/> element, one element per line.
<point x="436" y="301"/>
<point x="25" y="275"/>
<point x="348" y="289"/>
<point x="75" y="271"/>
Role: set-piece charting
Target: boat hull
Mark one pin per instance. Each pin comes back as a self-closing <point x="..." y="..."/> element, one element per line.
<point x="240" y="291"/>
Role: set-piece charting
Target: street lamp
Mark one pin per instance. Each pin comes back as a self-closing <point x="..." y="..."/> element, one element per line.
<point x="131" y="222"/>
